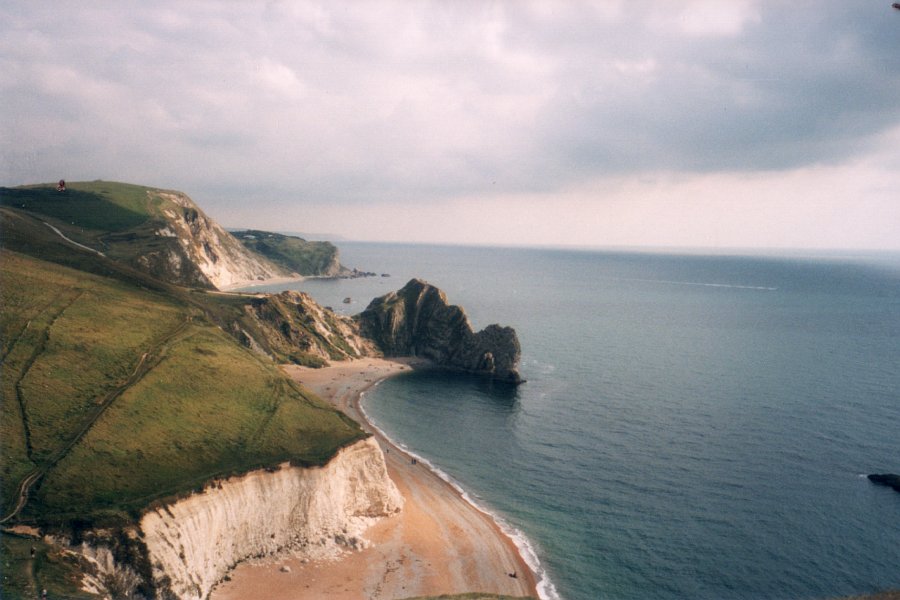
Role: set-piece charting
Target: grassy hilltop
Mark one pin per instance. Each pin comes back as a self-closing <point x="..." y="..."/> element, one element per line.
<point x="119" y="220"/>
<point x="121" y="389"/>
<point x="294" y="253"/>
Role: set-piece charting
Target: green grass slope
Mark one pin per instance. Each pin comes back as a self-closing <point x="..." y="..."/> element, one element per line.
<point x="94" y="206"/>
<point x="120" y="220"/>
<point x="117" y="395"/>
<point x="293" y="253"/>
<point x="119" y="389"/>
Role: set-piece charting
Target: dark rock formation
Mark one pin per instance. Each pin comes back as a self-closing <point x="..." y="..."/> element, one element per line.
<point x="418" y="321"/>
<point x="888" y="479"/>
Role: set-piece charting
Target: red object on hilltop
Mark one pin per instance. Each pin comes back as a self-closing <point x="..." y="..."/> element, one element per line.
<point x="61" y="186"/>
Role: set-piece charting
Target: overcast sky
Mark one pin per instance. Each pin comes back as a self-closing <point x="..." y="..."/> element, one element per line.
<point x="722" y="123"/>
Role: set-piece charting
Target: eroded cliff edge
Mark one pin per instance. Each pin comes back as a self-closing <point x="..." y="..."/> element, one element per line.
<point x="417" y="320"/>
<point x="194" y="542"/>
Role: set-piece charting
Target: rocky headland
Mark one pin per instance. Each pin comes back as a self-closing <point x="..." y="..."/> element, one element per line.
<point x="418" y="321"/>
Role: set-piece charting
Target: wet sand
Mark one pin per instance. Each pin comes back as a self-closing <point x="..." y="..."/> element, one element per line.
<point x="438" y="543"/>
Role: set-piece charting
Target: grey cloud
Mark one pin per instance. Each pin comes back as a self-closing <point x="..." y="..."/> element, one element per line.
<point x="375" y="101"/>
<point x="807" y="84"/>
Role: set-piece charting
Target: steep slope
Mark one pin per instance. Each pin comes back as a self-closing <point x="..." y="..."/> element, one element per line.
<point x="418" y="321"/>
<point x="115" y="396"/>
<point x="292" y="327"/>
<point x="221" y="259"/>
<point x="139" y="389"/>
<point x="160" y="232"/>
<point x="312" y="512"/>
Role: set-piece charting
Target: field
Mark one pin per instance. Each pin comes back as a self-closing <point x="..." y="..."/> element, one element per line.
<point x="116" y="396"/>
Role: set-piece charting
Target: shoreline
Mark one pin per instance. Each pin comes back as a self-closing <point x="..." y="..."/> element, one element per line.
<point x="525" y="550"/>
<point x="247" y="284"/>
<point x="440" y="543"/>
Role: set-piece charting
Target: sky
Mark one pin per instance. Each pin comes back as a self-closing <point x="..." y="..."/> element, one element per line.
<point x="695" y="123"/>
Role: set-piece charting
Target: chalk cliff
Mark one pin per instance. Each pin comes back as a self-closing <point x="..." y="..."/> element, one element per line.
<point x="202" y="244"/>
<point x="418" y="321"/>
<point x="193" y="543"/>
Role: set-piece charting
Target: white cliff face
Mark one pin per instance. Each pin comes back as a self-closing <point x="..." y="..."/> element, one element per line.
<point x="196" y="541"/>
<point x="217" y="254"/>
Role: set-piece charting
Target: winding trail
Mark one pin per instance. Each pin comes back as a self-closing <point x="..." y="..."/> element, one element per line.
<point x="147" y="361"/>
<point x="71" y="241"/>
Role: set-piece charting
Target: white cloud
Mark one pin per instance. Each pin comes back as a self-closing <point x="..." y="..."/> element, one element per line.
<point x="705" y="17"/>
<point x="279" y="78"/>
<point x="455" y="108"/>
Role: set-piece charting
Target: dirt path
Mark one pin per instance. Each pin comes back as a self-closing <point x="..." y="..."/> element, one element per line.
<point x="147" y="361"/>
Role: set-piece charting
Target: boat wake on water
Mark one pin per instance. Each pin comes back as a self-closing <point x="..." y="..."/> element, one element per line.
<point x="701" y="284"/>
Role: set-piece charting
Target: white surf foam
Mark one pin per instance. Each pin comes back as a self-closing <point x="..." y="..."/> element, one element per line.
<point x="545" y="588"/>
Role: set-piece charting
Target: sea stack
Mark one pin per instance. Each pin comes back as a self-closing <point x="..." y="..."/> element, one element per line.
<point x="417" y="320"/>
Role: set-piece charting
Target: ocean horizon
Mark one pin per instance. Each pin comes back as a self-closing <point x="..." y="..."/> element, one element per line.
<point x="692" y="425"/>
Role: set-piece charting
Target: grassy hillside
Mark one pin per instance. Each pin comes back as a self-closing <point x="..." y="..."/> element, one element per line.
<point x="293" y="253"/>
<point x="128" y="223"/>
<point x="120" y="389"/>
<point x="93" y="206"/>
<point x="116" y="395"/>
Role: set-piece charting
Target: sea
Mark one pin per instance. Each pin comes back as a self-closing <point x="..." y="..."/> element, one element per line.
<point x="693" y="425"/>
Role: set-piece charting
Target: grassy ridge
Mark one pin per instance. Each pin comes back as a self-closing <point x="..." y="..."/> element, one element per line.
<point x="229" y="412"/>
<point x="120" y="220"/>
<point x="118" y="388"/>
<point x="98" y="205"/>
<point x="157" y="398"/>
<point x="293" y="253"/>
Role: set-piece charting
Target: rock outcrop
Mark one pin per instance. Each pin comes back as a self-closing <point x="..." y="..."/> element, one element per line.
<point x="203" y="245"/>
<point x="418" y="321"/>
<point x="193" y="543"/>
<point x="292" y="327"/>
<point x="887" y="479"/>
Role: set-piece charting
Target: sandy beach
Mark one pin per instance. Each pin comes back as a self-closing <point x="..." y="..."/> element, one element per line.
<point x="247" y="285"/>
<point x="438" y="543"/>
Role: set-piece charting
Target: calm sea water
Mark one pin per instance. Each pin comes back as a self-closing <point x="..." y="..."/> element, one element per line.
<point x="691" y="427"/>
